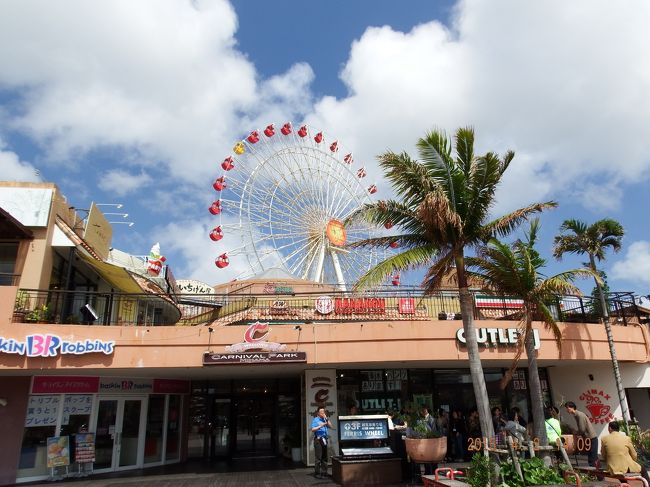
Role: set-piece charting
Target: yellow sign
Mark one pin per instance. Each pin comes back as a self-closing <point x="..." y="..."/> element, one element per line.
<point x="335" y="232"/>
<point x="98" y="232"/>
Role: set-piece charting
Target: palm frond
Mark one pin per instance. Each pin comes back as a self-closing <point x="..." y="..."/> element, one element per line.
<point x="503" y="226"/>
<point x="409" y="259"/>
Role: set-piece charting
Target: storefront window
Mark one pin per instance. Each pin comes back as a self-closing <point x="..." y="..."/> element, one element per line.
<point x="173" y="428"/>
<point x="155" y="419"/>
<point x="40" y="423"/>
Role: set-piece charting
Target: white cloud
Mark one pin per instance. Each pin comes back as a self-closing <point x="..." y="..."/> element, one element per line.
<point x="555" y="81"/>
<point x="13" y="169"/>
<point x="121" y="183"/>
<point x="635" y="265"/>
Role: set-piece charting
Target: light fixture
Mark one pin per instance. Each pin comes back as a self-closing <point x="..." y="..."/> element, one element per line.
<point x="122" y="223"/>
<point x="123" y="215"/>
<point x="3" y="401"/>
<point x="116" y="205"/>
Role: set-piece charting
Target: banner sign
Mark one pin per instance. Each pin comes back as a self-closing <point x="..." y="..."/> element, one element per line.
<point x="63" y="384"/>
<point x="253" y="358"/>
<point x="358" y="428"/>
<point x="39" y="345"/>
<point x="58" y="451"/>
<point x="497" y="302"/>
<point x="348" y="306"/>
<point x="113" y="384"/>
<point x="171" y="386"/>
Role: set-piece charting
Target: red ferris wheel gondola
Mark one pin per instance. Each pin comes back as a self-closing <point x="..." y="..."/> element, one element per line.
<point x="348" y="158"/>
<point x="222" y="261"/>
<point x="395" y="280"/>
<point x="215" y="207"/>
<point x="286" y="128"/>
<point x="388" y="225"/>
<point x="318" y="137"/>
<point x="228" y="163"/>
<point x="216" y="234"/>
<point x="269" y="131"/>
<point x="334" y="146"/>
<point x="372" y="189"/>
<point x="219" y="183"/>
<point x="361" y="172"/>
<point x="393" y="245"/>
<point x="254" y="137"/>
<point x="302" y="131"/>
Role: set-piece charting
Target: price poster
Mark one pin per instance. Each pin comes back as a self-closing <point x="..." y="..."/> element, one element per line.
<point x="58" y="451"/>
<point x="84" y="451"/>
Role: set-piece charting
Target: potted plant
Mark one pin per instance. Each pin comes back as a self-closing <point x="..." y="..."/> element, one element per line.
<point x="292" y="445"/>
<point x="424" y="445"/>
<point x="20" y="306"/>
<point x="40" y="314"/>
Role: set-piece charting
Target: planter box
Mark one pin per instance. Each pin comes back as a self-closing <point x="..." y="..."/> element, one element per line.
<point x="426" y="450"/>
<point x="367" y="472"/>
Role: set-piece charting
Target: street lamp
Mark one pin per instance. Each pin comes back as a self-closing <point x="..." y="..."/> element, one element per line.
<point x="123" y="215"/>
<point x="122" y="223"/>
<point x="116" y="205"/>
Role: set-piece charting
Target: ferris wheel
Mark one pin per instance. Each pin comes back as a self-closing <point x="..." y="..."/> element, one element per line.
<point x="285" y="195"/>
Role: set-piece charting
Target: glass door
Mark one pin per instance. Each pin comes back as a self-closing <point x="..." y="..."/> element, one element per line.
<point x="254" y="434"/>
<point x="119" y="441"/>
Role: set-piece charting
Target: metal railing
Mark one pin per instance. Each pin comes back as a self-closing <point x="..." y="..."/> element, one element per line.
<point x="7" y="279"/>
<point x="404" y="304"/>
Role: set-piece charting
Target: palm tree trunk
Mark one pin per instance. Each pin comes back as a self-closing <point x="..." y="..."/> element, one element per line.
<point x="475" y="366"/>
<point x="536" y="398"/>
<point x="612" y="349"/>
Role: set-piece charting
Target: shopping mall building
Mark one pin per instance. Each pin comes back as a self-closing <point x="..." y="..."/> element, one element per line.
<point x="165" y="371"/>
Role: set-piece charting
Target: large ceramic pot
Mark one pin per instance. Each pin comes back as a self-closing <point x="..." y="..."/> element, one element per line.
<point x="569" y="442"/>
<point x="426" y="450"/>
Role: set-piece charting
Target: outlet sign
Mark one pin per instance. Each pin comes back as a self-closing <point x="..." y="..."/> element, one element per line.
<point x="497" y="336"/>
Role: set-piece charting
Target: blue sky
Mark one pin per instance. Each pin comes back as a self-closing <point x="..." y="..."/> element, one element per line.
<point x="138" y="103"/>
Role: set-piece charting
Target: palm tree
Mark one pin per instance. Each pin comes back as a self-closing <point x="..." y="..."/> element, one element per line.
<point x="443" y="208"/>
<point x="514" y="271"/>
<point x="576" y="237"/>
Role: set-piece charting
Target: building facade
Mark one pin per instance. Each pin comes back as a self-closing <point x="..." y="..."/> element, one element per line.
<point x="252" y="360"/>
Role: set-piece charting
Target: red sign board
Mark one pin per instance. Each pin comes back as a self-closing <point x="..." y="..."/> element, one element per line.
<point x="406" y="306"/>
<point x="349" y="306"/>
<point x="65" y="384"/>
<point x="171" y="386"/>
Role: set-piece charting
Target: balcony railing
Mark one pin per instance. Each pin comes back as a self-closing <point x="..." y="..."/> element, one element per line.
<point x="71" y="307"/>
<point x="7" y="279"/>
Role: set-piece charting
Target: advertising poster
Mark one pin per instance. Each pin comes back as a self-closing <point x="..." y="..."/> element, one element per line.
<point x="84" y="451"/>
<point x="58" y="451"/>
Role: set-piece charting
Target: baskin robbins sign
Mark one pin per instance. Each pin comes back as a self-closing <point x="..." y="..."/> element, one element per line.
<point x="255" y="349"/>
<point x="40" y="345"/>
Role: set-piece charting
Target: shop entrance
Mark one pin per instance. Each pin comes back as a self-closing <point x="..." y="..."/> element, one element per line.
<point x="254" y="426"/>
<point x="120" y="431"/>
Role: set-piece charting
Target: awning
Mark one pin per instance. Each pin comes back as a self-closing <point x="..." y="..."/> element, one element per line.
<point x="118" y="277"/>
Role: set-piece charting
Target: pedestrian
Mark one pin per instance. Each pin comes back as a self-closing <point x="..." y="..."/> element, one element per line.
<point x="619" y="454"/>
<point x="319" y="427"/>
<point x="586" y="430"/>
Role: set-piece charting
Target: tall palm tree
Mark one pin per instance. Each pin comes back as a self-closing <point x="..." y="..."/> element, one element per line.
<point x="514" y="271"/>
<point x="576" y="237"/>
<point x="443" y="208"/>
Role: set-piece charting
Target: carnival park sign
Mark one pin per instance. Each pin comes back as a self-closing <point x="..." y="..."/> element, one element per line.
<point x="255" y="349"/>
<point x="497" y="336"/>
<point x="253" y="358"/>
<point x="39" y="345"/>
